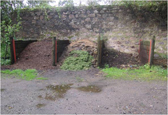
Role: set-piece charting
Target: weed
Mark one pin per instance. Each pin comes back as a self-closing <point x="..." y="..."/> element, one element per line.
<point x="41" y="78"/>
<point x="106" y="66"/>
<point x="143" y="73"/>
<point x="78" y="60"/>
<point x="28" y="74"/>
<point x="79" y="79"/>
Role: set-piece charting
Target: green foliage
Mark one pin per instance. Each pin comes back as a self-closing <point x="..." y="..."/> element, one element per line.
<point x="9" y="28"/>
<point x="79" y="79"/>
<point x="93" y="2"/>
<point x="143" y="73"/>
<point x="41" y="78"/>
<point x="66" y="3"/>
<point x="78" y="60"/>
<point x="28" y="74"/>
<point x="106" y="66"/>
<point x="5" y="62"/>
<point x="146" y="66"/>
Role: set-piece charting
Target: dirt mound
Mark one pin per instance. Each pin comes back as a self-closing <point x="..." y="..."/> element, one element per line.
<point x="85" y="45"/>
<point x="119" y="59"/>
<point x="37" y="55"/>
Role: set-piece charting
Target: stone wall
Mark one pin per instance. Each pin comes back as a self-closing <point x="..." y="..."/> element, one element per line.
<point x="121" y="27"/>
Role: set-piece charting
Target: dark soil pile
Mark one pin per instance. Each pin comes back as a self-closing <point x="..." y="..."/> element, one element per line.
<point x="37" y="55"/>
<point x="162" y="62"/>
<point x="119" y="59"/>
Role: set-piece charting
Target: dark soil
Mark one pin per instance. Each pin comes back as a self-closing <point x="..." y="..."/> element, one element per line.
<point x="37" y="55"/>
<point x="118" y="59"/>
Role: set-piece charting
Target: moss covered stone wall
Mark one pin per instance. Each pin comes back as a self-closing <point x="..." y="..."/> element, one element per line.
<point x="121" y="27"/>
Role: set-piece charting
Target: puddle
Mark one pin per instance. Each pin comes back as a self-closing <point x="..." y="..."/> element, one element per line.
<point x="3" y="90"/>
<point x="58" y="91"/>
<point x="40" y="96"/>
<point x="90" y="88"/>
<point x="40" y="105"/>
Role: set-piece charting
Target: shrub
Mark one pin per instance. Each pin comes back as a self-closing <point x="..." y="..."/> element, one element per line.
<point x="78" y="60"/>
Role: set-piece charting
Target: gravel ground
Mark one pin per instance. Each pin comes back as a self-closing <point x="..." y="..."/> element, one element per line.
<point x="88" y="92"/>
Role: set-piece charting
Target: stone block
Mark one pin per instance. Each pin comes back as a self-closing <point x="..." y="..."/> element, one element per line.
<point x="64" y="16"/>
<point x="91" y="15"/>
<point x="87" y="19"/>
<point x="111" y="23"/>
<point x="76" y="15"/>
<point x="82" y="16"/>
<point x="41" y="17"/>
<point x="71" y="16"/>
<point x="101" y="11"/>
<point x="95" y="11"/>
<point x="88" y="26"/>
<point x="38" y="13"/>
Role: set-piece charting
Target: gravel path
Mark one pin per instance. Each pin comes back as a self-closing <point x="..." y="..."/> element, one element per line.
<point x="88" y="92"/>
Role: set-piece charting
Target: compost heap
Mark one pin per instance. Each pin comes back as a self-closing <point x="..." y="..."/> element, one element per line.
<point x="84" y="45"/>
<point x="38" y="55"/>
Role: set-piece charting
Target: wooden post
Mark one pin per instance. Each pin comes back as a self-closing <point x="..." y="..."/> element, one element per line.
<point x="99" y="51"/>
<point x="54" y="51"/>
<point x="139" y="46"/>
<point x="151" y="51"/>
<point x="12" y="50"/>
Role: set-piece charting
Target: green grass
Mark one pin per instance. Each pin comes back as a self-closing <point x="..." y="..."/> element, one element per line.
<point x="29" y="74"/>
<point x="78" y="60"/>
<point x="144" y="73"/>
<point x="41" y="78"/>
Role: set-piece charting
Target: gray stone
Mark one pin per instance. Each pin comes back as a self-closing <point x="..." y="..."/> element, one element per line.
<point x="104" y="9"/>
<point x="161" y="43"/>
<point x="33" y="21"/>
<point x="87" y="19"/>
<point x="156" y="56"/>
<point x="76" y="15"/>
<point x="127" y="42"/>
<point x="32" y="14"/>
<point x="114" y="38"/>
<point x="96" y="12"/>
<point x="92" y="15"/>
<point x="71" y="16"/>
<point x="37" y="13"/>
<point x="165" y="38"/>
<point x="111" y="23"/>
<point x="51" y="13"/>
<point x="104" y="15"/>
<point x="74" y="38"/>
<point x="82" y="15"/>
<point x="63" y="16"/>
<point x="88" y="26"/>
<point x="101" y="11"/>
<point x="88" y="12"/>
<point x="41" y="17"/>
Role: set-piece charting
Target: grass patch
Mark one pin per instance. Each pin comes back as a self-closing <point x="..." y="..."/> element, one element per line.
<point x="143" y="73"/>
<point x="28" y="74"/>
<point x="78" y="60"/>
<point x="41" y="78"/>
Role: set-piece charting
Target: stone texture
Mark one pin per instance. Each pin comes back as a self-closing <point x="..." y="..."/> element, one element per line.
<point x="116" y="24"/>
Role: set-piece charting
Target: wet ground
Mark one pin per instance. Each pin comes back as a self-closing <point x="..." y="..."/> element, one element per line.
<point x="88" y="92"/>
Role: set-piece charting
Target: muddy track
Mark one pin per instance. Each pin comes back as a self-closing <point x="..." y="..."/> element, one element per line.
<point x="88" y="92"/>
